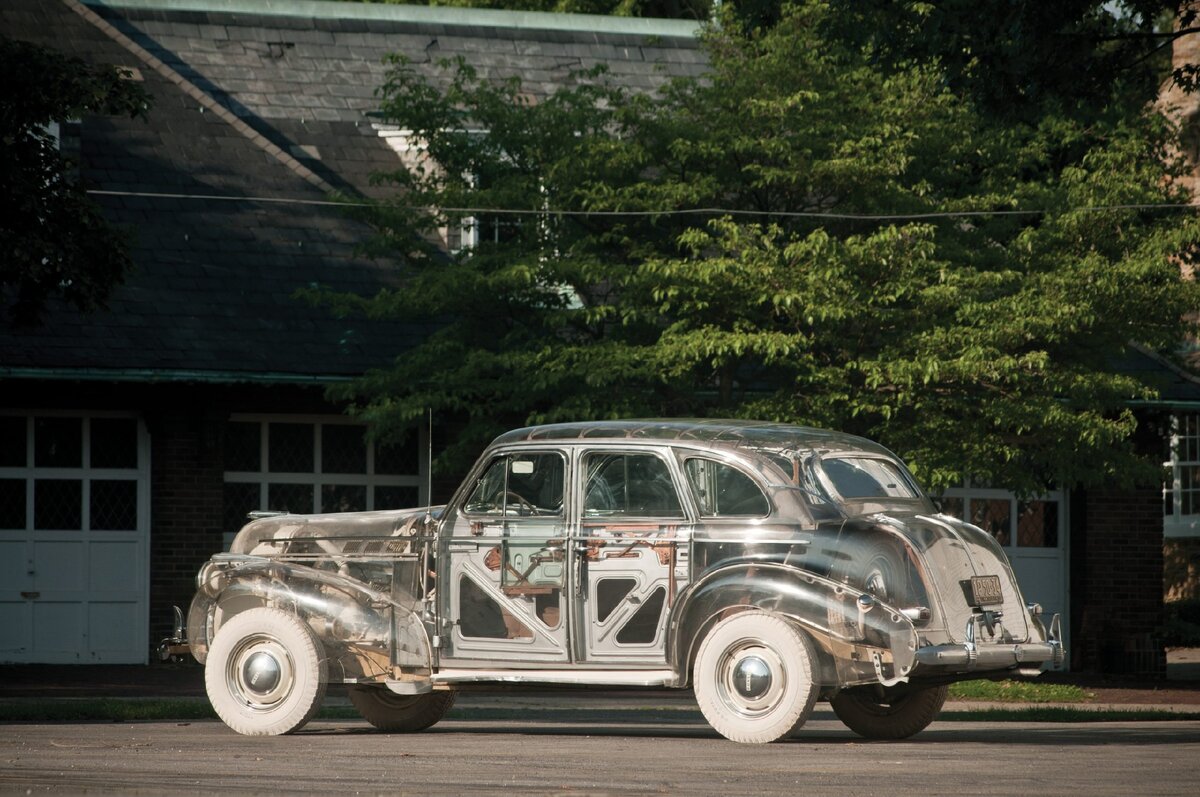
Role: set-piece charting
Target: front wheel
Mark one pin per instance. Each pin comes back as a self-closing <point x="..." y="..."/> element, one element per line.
<point x="896" y="713"/>
<point x="265" y="673"/>
<point x="755" y="677"/>
<point x="395" y="713"/>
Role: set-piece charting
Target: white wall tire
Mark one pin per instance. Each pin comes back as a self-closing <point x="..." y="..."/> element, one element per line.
<point x="755" y="677"/>
<point x="897" y="714"/>
<point x="395" y="713"/>
<point x="266" y="673"/>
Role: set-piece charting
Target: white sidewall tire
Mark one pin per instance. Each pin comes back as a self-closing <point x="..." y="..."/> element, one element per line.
<point x="778" y="704"/>
<point x="295" y="669"/>
<point x="396" y="713"/>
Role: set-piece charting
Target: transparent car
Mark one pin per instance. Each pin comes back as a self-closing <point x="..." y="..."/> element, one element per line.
<point x="764" y="566"/>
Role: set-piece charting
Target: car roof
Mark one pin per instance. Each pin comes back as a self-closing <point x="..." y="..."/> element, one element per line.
<point x="755" y="435"/>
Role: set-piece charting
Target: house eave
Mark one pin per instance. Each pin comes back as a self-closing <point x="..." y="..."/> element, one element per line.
<point x="170" y="375"/>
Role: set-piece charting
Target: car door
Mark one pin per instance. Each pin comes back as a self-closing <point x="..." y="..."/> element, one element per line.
<point x="504" y="564"/>
<point x="631" y="542"/>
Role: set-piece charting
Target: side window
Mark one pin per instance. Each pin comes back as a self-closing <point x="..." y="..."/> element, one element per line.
<point x="525" y="485"/>
<point x="724" y="491"/>
<point x="629" y="485"/>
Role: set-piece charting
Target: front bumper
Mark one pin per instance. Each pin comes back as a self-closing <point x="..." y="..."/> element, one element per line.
<point x="971" y="656"/>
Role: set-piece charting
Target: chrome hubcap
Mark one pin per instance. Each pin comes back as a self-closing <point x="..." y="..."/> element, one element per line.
<point x="260" y="673"/>
<point x="751" y="678"/>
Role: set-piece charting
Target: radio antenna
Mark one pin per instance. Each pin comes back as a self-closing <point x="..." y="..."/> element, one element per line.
<point x="429" y="464"/>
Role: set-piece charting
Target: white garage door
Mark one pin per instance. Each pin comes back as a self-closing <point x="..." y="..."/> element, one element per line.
<point x="74" y="538"/>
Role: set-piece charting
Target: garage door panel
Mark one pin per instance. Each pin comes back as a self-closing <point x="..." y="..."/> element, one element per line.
<point x="15" y="628"/>
<point x="14" y="567"/>
<point x="113" y="629"/>
<point x="58" y="630"/>
<point x="60" y="565"/>
<point x="114" y="569"/>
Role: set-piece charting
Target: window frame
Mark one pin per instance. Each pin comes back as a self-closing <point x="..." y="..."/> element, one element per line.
<point x="1177" y="523"/>
<point x="317" y="478"/>
<point x="700" y="513"/>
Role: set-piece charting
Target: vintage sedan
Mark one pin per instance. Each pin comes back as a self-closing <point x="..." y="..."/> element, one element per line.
<point x="763" y="565"/>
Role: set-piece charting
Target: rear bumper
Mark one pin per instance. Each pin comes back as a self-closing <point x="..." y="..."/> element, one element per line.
<point x="971" y="656"/>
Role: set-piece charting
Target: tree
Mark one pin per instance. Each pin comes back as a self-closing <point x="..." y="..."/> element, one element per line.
<point x="54" y="238"/>
<point x="890" y="256"/>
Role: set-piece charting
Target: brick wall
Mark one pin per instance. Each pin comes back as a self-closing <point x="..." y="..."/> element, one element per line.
<point x="1116" y="582"/>
<point x="185" y="506"/>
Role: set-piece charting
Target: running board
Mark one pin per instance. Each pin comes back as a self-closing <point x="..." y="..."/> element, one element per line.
<point x="572" y="676"/>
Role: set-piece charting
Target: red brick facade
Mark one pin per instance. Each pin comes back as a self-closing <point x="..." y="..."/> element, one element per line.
<point x="1116" y="581"/>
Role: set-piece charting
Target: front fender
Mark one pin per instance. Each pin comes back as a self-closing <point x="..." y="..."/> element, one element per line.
<point x="862" y="641"/>
<point x="365" y="632"/>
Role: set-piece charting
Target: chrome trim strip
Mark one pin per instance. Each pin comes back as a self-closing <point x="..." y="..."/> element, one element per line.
<point x="572" y="676"/>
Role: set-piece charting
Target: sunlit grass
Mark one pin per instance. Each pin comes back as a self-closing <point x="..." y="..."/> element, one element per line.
<point x="1018" y="692"/>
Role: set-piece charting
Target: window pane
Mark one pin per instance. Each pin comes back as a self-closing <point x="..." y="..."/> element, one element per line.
<point x="721" y="490"/>
<point x="535" y="485"/>
<point x="12" y="442"/>
<point x="488" y="496"/>
<point x="343" y="449"/>
<point x="633" y="485"/>
<point x="243" y="446"/>
<point x="114" y="443"/>
<point x="952" y="506"/>
<point x="296" y="498"/>
<point x="398" y="459"/>
<point x="239" y="500"/>
<point x="58" y="504"/>
<point x="343" y="498"/>
<point x="114" y="505"/>
<point x="993" y="515"/>
<point x="12" y="504"/>
<point x="865" y="477"/>
<point x="1037" y="524"/>
<point x="58" y="442"/>
<point x="291" y="447"/>
<point x="395" y="497"/>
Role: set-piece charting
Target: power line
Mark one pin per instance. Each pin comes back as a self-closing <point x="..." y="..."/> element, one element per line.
<point x="789" y="214"/>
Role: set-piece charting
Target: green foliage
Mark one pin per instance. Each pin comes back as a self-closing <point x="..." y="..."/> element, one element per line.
<point x="54" y="239"/>
<point x="829" y="288"/>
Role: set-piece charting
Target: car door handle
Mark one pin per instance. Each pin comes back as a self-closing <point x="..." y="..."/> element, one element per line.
<point x="31" y="595"/>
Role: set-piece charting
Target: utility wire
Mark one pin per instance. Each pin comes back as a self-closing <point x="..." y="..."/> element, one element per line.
<point x="789" y="214"/>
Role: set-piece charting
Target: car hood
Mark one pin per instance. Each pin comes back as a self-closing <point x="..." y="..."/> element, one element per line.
<point x="338" y="531"/>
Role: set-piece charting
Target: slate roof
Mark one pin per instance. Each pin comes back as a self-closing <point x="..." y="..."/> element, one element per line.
<point x="272" y="99"/>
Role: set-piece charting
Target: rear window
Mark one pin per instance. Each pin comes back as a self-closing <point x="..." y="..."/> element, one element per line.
<point x="868" y="477"/>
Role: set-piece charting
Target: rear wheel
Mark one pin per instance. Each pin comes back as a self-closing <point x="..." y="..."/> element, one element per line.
<point x="896" y="713"/>
<point x="755" y="677"/>
<point x="395" y="713"/>
<point x="265" y="673"/>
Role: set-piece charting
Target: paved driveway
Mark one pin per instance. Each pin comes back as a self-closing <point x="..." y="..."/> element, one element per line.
<point x="655" y="755"/>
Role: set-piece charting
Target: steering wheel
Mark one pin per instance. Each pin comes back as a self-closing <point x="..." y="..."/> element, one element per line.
<point x="524" y="507"/>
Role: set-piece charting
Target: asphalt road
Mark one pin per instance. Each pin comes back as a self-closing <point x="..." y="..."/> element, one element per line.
<point x="655" y="755"/>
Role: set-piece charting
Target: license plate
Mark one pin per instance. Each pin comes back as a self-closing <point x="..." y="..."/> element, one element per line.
<point x="986" y="590"/>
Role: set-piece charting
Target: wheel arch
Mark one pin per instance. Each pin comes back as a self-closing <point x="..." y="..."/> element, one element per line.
<point x="815" y="603"/>
<point x="367" y="630"/>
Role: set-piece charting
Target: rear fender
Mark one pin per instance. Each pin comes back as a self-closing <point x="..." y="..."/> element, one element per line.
<point x="366" y="633"/>
<point x="861" y="640"/>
